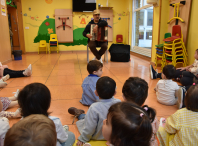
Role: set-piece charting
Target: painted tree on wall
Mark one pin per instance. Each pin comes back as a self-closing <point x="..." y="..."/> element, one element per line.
<point x="48" y="27"/>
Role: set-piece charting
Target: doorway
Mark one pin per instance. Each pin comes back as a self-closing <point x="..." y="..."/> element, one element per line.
<point x="15" y="20"/>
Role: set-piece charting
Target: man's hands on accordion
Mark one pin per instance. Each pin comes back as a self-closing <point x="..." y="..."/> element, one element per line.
<point x="89" y="36"/>
<point x="95" y="29"/>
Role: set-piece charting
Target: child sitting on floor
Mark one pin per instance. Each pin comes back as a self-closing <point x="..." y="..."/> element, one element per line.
<point x="34" y="130"/>
<point x="7" y="73"/>
<point x="8" y="102"/>
<point x="94" y="68"/>
<point x="181" y="128"/>
<point x="135" y="90"/>
<point x="35" y="98"/>
<point x="184" y="74"/>
<point x="127" y="125"/>
<point x="90" y="125"/>
<point x="4" y="126"/>
<point x="166" y="88"/>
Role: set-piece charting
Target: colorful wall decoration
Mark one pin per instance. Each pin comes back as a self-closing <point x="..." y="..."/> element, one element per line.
<point x="41" y="22"/>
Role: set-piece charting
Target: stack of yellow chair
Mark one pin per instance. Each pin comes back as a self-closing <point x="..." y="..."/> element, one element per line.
<point x="174" y="50"/>
<point x="53" y="42"/>
<point x="159" y="52"/>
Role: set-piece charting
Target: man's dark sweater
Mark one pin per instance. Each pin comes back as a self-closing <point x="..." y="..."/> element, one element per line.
<point x="101" y="23"/>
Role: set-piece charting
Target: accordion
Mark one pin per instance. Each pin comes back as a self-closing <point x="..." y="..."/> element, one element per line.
<point x="101" y="35"/>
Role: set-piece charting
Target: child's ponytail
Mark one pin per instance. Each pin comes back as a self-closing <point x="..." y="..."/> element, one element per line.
<point x="151" y="112"/>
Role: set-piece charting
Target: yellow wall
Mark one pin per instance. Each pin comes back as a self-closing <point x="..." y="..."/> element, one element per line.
<point x="192" y="44"/>
<point x="5" y="48"/>
<point x="40" y="9"/>
<point x="156" y="14"/>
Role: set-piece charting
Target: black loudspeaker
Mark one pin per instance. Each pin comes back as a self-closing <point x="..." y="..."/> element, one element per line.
<point x="120" y="52"/>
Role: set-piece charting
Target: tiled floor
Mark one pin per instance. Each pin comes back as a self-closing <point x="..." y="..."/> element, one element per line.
<point x="63" y="74"/>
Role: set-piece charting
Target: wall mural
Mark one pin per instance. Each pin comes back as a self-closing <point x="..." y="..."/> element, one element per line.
<point x="48" y="27"/>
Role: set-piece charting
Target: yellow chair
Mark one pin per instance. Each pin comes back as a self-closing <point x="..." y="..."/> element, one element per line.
<point x="53" y="42"/>
<point x="42" y="44"/>
<point x="94" y="143"/>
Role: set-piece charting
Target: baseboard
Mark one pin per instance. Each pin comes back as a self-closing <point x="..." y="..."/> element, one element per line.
<point x="152" y="63"/>
<point x="5" y="62"/>
<point x="141" y="56"/>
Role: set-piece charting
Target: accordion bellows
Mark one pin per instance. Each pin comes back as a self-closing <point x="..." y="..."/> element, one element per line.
<point x="101" y="35"/>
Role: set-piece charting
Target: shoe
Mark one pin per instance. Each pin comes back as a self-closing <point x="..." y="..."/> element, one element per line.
<point x="6" y="77"/>
<point x="87" y="144"/>
<point x="2" y="83"/>
<point x="16" y="94"/>
<point x="101" y="60"/>
<point x="181" y="94"/>
<point x="94" y="58"/>
<point x="76" y="112"/>
<point x="152" y="72"/>
<point x="28" y="71"/>
<point x="162" y="122"/>
<point x="66" y="127"/>
<point x="17" y="113"/>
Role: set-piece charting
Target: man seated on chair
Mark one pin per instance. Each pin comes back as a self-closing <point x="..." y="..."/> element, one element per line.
<point x="93" y="44"/>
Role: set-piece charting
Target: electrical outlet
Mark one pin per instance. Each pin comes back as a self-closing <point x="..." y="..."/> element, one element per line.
<point x="26" y="27"/>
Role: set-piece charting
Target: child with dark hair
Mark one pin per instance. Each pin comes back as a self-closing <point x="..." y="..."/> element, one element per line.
<point x="90" y="125"/>
<point x="166" y="88"/>
<point x="35" y="98"/>
<point x="135" y="90"/>
<point x="34" y="130"/>
<point x="94" y="68"/>
<point x="184" y="74"/>
<point x="127" y="125"/>
<point x="181" y="128"/>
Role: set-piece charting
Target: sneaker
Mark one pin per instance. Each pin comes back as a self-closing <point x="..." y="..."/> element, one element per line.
<point x="87" y="144"/>
<point x="94" y="58"/>
<point x="181" y="94"/>
<point x="66" y="127"/>
<point x="152" y="72"/>
<point x="17" y="113"/>
<point x="2" y="83"/>
<point x="16" y="94"/>
<point x="6" y="77"/>
<point x="162" y="122"/>
<point x="101" y="60"/>
<point x="28" y="71"/>
<point x="76" y="112"/>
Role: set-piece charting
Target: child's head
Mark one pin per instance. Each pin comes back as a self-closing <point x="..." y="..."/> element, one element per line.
<point x="196" y="54"/>
<point x="168" y="72"/>
<point x="135" y="89"/>
<point x="34" y="130"/>
<point x="34" y="98"/>
<point x="105" y="87"/>
<point x="127" y="125"/>
<point x="191" y="98"/>
<point x="95" y="67"/>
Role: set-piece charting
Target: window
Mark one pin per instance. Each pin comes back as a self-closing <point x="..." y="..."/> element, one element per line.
<point x="142" y="27"/>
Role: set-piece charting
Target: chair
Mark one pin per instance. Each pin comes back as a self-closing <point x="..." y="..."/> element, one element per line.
<point x="105" y="55"/>
<point x="53" y="42"/>
<point x="119" y="38"/>
<point x="42" y="44"/>
<point x="159" y="51"/>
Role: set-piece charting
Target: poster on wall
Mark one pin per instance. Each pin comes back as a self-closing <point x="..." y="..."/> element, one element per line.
<point x="3" y="11"/>
<point x="3" y="2"/>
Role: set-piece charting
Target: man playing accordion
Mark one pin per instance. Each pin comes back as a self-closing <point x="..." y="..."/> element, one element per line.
<point x="92" y="32"/>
